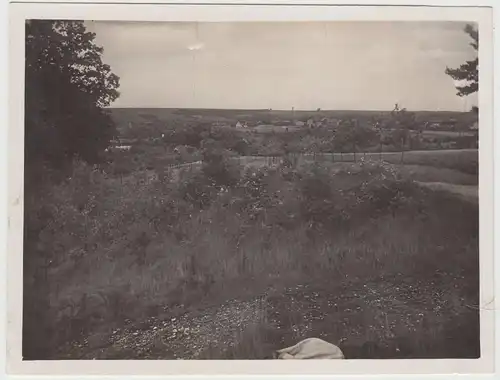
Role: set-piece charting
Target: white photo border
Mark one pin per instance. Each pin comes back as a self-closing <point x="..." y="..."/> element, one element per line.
<point x="112" y="11"/>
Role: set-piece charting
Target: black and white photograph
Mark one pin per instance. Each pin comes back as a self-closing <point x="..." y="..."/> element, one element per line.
<point x="251" y="190"/>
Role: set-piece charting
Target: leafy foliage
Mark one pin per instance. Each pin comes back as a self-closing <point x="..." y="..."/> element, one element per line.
<point x="67" y="86"/>
<point x="352" y="135"/>
<point x="217" y="166"/>
<point x="400" y="123"/>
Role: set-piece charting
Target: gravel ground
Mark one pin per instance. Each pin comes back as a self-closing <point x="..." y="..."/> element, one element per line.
<point x="183" y="337"/>
<point x="385" y="318"/>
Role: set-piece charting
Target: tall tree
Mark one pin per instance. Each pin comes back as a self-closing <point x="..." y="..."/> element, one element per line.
<point x="468" y="71"/>
<point x="67" y="88"/>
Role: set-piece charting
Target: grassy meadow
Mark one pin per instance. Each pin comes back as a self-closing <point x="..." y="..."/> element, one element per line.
<point x="207" y="234"/>
<point x="202" y="242"/>
<point x="235" y="261"/>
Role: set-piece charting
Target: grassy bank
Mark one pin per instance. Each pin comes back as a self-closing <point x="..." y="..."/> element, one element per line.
<point x="365" y="258"/>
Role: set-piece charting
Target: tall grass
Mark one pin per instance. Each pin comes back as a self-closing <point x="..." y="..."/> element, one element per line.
<point x="125" y="252"/>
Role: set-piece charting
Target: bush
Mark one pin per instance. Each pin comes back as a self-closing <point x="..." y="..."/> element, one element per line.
<point x="217" y="166"/>
<point x="75" y="227"/>
<point x="198" y="190"/>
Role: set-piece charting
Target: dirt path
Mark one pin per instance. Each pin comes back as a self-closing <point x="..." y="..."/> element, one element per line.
<point x="467" y="192"/>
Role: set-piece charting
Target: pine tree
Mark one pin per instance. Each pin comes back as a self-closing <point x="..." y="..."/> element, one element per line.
<point x="469" y="70"/>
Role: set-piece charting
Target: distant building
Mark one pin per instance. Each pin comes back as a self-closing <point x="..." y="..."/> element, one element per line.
<point x="299" y="123"/>
<point x="310" y="123"/>
<point x="238" y="125"/>
<point x="119" y="147"/>
<point x="319" y="124"/>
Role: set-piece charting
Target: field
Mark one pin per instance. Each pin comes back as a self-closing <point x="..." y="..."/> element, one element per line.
<point x="127" y="115"/>
<point x="457" y="167"/>
<point x="465" y="160"/>
<point x="239" y="255"/>
<point x="447" y="133"/>
<point x="129" y="119"/>
<point x="271" y="133"/>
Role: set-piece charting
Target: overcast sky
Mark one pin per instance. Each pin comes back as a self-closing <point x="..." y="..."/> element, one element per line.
<point x="335" y="65"/>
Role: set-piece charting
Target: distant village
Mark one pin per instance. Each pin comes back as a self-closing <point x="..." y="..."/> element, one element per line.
<point x="309" y="123"/>
<point x="276" y="124"/>
<point x="312" y="123"/>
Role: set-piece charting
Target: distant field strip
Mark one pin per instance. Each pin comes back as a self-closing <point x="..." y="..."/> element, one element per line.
<point x="466" y="192"/>
<point x="437" y="158"/>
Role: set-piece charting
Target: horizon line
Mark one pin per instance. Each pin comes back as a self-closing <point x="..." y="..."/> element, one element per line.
<point x="284" y="110"/>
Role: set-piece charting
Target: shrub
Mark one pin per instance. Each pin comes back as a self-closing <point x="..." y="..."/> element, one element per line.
<point x="217" y="167"/>
<point x="198" y="190"/>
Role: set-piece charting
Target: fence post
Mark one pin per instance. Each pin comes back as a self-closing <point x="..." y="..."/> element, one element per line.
<point x="402" y="151"/>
